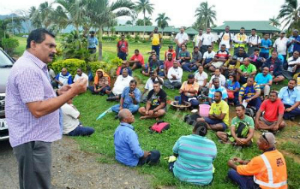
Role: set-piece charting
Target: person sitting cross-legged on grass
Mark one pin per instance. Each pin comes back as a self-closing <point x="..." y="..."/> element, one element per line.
<point x="149" y="84"/>
<point x="101" y="83"/>
<point x="130" y="98"/>
<point x="275" y="66"/>
<point x="265" y="171"/>
<point x="174" y="77"/>
<point x="63" y="78"/>
<point x="272" y="119"/>
<point x="189" y="90"/>
<point x="241" y="130"/>
<point x="220" y="58"/>
<point x="246" y="69"/>
<point x="125" y="65"/>
<point x="184" y="57"/>
<point x="156" y="103"/>
<point x="290" y="97"/>
<point x="264" y="80"/>
<point x="250" y="94"/>
<point x="71" y="124"/>
<point x="218" y="118"/>
<point x="137" y="60"/>
<point x="195" y="168"/>
<point x="127" y="147"/>
<point x="152" y="66"/>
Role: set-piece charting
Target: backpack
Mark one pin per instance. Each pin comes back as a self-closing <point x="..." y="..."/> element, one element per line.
<point x="241" y="131"/>
<point x="159" y="127"/>
<point x="191" y="119"/>
<point x="251" y="111"/>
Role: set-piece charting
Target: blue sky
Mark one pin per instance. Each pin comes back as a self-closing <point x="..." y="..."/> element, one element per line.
<point x="182" y="12"/>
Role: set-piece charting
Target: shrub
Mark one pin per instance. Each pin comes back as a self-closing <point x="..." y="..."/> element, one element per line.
<point x="110" y="67"/>
<point x="9" y="45"/>
<point x="70" y="64"/>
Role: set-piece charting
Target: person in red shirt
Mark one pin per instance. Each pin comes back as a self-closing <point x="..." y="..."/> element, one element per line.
<point x="137" y="60"/>
<point x="272" y="120"/>
<point x="168" y="64"/>
<point x="122" y="48"/>
<point x="170" y="51"/>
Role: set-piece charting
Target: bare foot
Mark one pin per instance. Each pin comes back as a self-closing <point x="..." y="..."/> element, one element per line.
<point x="144" y="117"/>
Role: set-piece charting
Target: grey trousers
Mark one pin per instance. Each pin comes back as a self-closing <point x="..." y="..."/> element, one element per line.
<point x="34" y="162"/>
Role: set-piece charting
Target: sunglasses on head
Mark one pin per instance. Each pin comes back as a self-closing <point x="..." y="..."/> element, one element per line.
<point x="264" y="136"/>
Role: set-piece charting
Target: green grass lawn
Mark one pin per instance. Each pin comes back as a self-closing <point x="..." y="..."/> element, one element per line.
<point x="101" y="141"/>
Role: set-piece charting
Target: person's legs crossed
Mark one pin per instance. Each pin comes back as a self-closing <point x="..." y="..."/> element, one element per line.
<point x="152" y="159"/>
<point x="133" y="108"/>
<point x="81" y="131"/>
<point x="245" y="182"/>
<point x="186" y="67"/>
<point x="116" y="108"/>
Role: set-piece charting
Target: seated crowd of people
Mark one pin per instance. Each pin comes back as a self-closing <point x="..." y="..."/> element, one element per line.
<point x="244" y="80"/>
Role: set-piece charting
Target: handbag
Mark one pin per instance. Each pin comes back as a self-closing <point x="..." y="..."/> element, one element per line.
<point x="159" y="127"/>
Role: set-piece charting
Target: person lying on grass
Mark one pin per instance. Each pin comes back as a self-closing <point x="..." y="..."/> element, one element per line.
<point x="127" y="147"/>
<point x="241" y="130"/>
<point x="156" y="105"/>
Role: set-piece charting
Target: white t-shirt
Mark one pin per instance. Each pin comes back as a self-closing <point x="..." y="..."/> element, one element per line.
<point x="225" y="39"/>
<point x="212" y="54"/>
<point x="52" y="74"/>
<point x="255" y="40"/>
<point x="70" y="118"/>
<point x="120" y="84"/>
<point x="181" y="37"/>
<point x="200" y="78"/>
<point x="221" y="78"/>
<point x="197" y="39"/>
<point x="208" y="39"/>
<point x="82" y="75"/>
<point x="177" y="72"/>
<point x="281" y="45"/>
<point x="292" y="63"/>
<point x="149" y="84"/>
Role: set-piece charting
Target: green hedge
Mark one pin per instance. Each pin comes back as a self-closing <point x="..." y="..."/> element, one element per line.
<point x="71" y="64"/>
<point x="9" y="45"/>
<point x="110" y="67"/>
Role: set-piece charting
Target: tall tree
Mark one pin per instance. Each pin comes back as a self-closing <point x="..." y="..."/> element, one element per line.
<point x="274" y="22"/>
<point x="290" y="14"/>
<point x="101" y="12"/>
<point x="45" y="10"/>
<point x="162" y="21"/>
<point x="206" y="13"/>
<point x="146" y="21"/>
<point x="35" y="17"/>
<point x="146" y="7"/>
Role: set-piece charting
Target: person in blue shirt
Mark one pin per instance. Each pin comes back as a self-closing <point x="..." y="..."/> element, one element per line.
<point x="264" y="80"/>
<point x="127" y="146"/>
<point x="63" y="78"/>
<point x="266" y="45"/>
<point x="92" y="42"/>
<point x="130" y="98"/>
<point x="233" y="86"/>
<point x="290" y="96"/>
<point x="275" y="66"/>
<point x="216" y="87"/>
<point x="294" y="43"/>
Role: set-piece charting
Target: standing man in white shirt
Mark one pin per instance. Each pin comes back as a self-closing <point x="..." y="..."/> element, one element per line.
<point x="253" y="42"/>
<point x="80" y="74"/>
<point x="208" y="40"/>
<point x="181" y="38"/>
<point x="174" y="77"/>
<point x="226" y="38"/>
<point x="280" y="45"/>
<point x="197" y="42"/>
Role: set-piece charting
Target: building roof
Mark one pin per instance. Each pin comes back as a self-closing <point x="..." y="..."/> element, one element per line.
<point x="169" y="29"/>
<point x="260" y="26"/>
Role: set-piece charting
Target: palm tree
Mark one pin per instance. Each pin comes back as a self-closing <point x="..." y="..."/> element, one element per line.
<point x="101" y="12"/>
<point x="128" y="22"/>
<point x="146" y="7"/>
<point x="290" y="14"/>
<point x="35" y="17"/>
<point x="146" y="21"/>
<point x="274" y="22"/>
<point x="162" y="21"/>
<point x="206" y="13"/>
<point x="59" y="18"/>
<point x="45" y="10"/>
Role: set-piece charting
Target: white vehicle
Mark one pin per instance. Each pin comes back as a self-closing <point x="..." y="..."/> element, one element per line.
<point x="6" y="63"/>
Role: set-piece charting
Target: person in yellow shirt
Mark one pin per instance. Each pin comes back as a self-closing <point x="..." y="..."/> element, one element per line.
<point x="218" y="118"/>
<point x="189" y="91"/>
<point x="156" y="41"/>
<point x="265" y="171"/>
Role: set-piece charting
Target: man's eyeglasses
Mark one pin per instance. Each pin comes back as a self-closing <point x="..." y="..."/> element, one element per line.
<point x="264" y="136"/>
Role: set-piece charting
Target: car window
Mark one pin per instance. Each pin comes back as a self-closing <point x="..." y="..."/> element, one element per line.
<point x="4" y="60"/>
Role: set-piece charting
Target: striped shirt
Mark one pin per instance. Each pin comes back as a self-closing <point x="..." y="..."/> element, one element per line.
<point x="29" y="81"/>
<point x="249" y="91"/>
<point x="212" y="91"/>
<point x="195" y="157"/>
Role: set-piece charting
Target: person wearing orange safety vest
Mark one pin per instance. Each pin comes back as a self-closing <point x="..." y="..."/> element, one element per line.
<point x="267" y="171"/>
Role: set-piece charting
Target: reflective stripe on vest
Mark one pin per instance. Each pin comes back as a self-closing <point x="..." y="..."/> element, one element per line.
<point x="271" y="183"/>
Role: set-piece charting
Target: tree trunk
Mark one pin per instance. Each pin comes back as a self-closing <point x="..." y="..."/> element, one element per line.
<point x="100" y="34"/>
<point x="144" y="25"/>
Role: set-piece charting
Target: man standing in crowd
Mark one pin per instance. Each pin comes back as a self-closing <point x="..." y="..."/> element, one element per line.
<point x="197" y="42"/>
<point x="294" y="42"/>
<point x="226" y="38"/>
<point x="31" y="109"/>
<point x="290" y="97"/>
<point x="156" y="103"/>
<point x="265" y="45"/>
<point x="208" y="40"/>
<point x="253" y="42"/>
<point x="122" y="48"/>
<point x="92" y="42"/>
<point x="241" y="131"/>
<point x="240" y="40"/>
<point x="156" y="41"/>
<point x="180" y="39"/>
<point x="127" y="146"/>
<point x="63" y="78"/>
<point x="280" y="45"/>
<point x="272" y="119"/>
<point x="259" y="172"/>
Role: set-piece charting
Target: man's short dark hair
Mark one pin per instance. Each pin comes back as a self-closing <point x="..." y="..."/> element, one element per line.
<point x="223" y="45"/>
<point x="241" y="106"/>
<point x="274" y="92"/>
<point x="200" y="128"/>
<point x="156" y="82"/>
<point x="38" y="36"/>
<point x="274" y="51"/>
<point x="242" y="28"/>
<point x="136" y="50"/>
<point x="209" y="46"/>
<point x="133" y="81"/>
<point x="254" y="29"/>
<point x="92" y="32"/>
<point x="257" y="49"/>
<point x="219" y="93"/>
